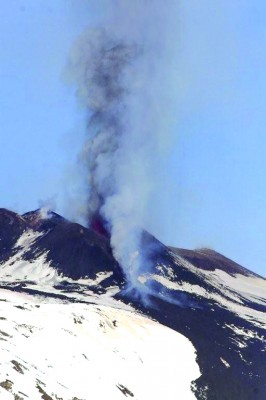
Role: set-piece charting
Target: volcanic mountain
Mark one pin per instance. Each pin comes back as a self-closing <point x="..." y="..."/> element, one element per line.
<point x="69" y="330"/>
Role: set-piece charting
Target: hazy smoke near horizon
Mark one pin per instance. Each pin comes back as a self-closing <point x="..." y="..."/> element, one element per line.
<point x="123" y="71"/>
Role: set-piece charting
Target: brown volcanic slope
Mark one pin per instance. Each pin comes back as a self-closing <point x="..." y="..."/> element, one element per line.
<point x="209" y="260"/>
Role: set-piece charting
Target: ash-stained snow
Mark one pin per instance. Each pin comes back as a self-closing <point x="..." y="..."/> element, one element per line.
<point x="86" y="351"/>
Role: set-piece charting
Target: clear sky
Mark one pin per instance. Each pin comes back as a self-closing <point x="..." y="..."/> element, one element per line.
<point x="215" y="186"/>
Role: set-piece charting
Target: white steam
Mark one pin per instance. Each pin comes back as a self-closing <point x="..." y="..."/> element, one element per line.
<point x="124" y="73"/>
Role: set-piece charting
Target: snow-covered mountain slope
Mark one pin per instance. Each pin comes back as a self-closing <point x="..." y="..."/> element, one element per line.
<point x="221" y="308"/>
<point x="244" y="294"/>
<point x="59" y="350"/>
<point x="52" y="267"/>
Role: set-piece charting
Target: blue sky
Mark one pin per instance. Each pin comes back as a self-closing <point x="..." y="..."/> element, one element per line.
<point x="214" y="189"/>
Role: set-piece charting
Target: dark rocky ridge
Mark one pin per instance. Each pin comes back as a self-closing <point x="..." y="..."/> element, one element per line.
<point x="12" y="226"/>
<point x="210" y="260"/>
<point x="73" y="250"/>
<point x="88" y="251"/>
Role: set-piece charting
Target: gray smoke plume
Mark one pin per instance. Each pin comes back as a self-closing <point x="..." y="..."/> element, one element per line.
<point x="120" y="80"/>
<point x="101" y="68"/>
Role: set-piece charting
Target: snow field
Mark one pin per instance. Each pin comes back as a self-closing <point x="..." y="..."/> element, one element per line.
<point x="83" y="351"/>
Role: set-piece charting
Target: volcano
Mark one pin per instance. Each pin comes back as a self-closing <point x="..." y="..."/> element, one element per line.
<point x="70" y="331"/>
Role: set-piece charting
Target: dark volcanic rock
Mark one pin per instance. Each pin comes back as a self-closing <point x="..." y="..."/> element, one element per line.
<point x="76" y="251"/>
<point x="42" y="221"/>
<point x="12" y="226"/>
<point x="73" y="250"/>
<point x="210" y="260"/>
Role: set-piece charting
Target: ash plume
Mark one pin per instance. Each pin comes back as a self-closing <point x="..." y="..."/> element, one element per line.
<point x="118" y="72"/>
<point x="101" y="65"/>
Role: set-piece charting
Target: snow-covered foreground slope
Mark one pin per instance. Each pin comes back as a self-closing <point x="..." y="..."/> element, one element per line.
<point x="58" y="350"/>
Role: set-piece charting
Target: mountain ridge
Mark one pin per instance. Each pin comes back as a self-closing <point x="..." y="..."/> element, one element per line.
<point x="219" y="306"/>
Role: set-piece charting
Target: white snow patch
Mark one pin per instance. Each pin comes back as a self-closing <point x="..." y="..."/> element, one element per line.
<point x="250" y="287"/>
<point x="183" y="286"/>
<point x="27" y="238"/>
<point x="88" y="351"/>
<point x="225" y="362"/>
<point x="100" y="277"/>
<point x="246" y="334"/>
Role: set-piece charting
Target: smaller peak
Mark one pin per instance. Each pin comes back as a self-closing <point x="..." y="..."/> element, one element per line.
<point x="42" y="218"/>
<point x="12" y="225"/>
<point x="7" y="212"/>
<point x="210" y="260"/>
<point x="11" y="215"/>
<point x="206" y="250"/>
